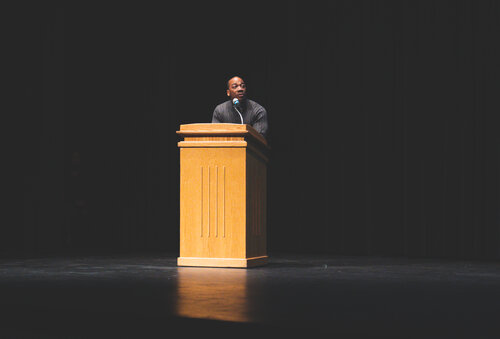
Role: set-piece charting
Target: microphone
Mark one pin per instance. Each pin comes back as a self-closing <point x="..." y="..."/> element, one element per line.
<point x="236" y="104"/>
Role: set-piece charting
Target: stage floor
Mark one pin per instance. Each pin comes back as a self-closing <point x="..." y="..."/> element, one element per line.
<point x="346" y="297"/>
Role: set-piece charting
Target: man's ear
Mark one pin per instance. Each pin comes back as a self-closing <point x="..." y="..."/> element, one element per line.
<point x="228" y="94"/>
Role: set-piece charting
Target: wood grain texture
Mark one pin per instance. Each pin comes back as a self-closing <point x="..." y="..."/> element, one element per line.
<point x="222" y="262"/>
<point x="222" y="197"/>
<point x="220" y="130"/>
<point x="256" y="205"/>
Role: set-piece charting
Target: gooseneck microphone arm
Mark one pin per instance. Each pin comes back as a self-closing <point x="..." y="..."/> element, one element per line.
<point x="236" y="102"/>
<point x="241" y="117"/>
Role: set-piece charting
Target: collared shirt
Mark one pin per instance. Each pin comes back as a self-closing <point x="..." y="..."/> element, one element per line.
<point x="253" y="114"/>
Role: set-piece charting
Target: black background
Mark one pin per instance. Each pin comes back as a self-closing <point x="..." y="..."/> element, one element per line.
<point x="383" y="119"/>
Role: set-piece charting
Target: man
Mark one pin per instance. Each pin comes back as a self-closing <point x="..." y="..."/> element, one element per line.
<point x="251" y="112"/>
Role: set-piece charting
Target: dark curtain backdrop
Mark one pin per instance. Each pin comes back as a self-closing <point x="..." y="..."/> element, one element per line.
<point x="383" y="117"/>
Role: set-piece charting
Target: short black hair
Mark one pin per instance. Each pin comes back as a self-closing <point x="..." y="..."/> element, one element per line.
<point x="234" y="76"/>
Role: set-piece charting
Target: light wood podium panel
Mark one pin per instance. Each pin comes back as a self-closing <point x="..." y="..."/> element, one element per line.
<point x="223" y="182"/>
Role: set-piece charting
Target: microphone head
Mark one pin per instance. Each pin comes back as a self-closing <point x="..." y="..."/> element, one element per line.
<point x="236" y="102"/>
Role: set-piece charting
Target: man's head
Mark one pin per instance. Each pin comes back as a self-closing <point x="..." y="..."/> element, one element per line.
<point x="236" y="88"/>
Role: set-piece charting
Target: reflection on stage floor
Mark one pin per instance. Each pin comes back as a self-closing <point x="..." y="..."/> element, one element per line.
<point x="212" y="293"/>
<point x="142" y="295"/>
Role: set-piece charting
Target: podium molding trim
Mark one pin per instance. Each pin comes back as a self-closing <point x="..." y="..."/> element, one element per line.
<point x="222" y="262"/>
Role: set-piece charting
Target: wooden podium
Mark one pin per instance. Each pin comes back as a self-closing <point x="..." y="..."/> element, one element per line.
<point x="223" y="199"/>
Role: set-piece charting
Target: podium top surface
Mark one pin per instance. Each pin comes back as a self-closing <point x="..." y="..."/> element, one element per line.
<point x="209" y="129"/>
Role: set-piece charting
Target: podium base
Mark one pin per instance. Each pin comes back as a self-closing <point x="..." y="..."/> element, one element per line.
<point x="222" y="262"/>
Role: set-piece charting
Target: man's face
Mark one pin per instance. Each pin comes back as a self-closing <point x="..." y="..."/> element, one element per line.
<point x="237" y="89"/>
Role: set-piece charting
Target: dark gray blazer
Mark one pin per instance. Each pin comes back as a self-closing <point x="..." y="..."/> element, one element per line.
<point x="253" y="114"/>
